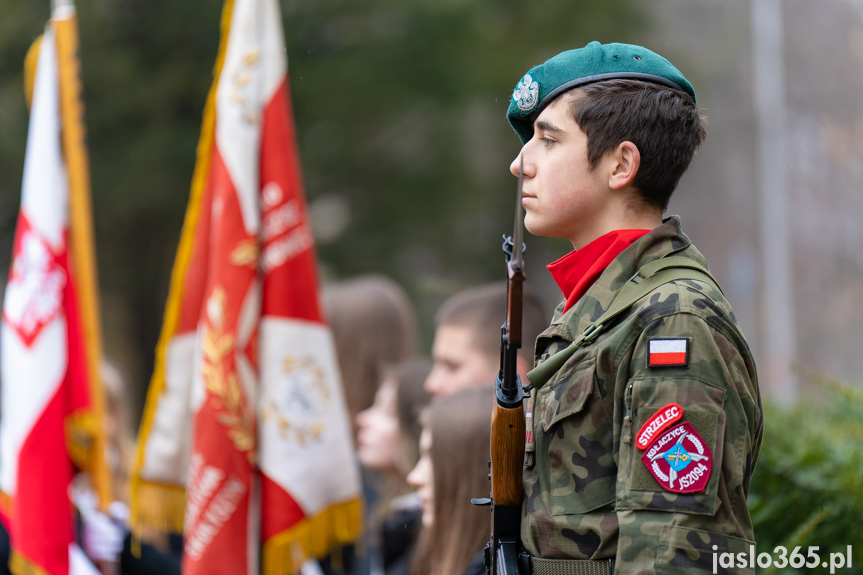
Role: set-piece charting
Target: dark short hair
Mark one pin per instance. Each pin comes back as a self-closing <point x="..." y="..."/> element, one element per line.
<point x="482" y="309"/>
<point x="662" y="122"/>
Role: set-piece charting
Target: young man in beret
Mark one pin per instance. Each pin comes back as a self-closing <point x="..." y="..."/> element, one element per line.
<point x="646" y="414"/>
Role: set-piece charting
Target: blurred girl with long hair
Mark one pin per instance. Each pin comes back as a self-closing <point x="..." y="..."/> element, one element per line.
<point x="453" y="468"/>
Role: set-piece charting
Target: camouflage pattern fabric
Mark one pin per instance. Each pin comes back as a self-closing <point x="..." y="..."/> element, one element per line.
<point x="588" y="495"/>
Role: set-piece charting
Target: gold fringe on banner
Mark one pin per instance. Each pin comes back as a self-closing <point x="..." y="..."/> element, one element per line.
<point x="313" y="537"/>
<point x="20" y="565"/>
<point x="162" y="506"/>
<point x="149" y="500"/>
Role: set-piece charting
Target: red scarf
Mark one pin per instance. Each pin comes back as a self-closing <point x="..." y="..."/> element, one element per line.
<point x="576" y="271"/>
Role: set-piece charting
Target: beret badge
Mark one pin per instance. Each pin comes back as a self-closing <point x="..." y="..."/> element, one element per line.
<point x="526" y="94"/>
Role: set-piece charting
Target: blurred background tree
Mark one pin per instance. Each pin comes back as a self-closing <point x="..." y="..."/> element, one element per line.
<point x="806" y="490"/>
<point x="400" y="117"/>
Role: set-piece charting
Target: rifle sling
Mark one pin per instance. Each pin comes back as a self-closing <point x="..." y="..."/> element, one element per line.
<point x="649" y="277"/>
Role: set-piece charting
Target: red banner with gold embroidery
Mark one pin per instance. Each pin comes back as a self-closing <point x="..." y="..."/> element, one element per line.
<point x="245" y="440"/>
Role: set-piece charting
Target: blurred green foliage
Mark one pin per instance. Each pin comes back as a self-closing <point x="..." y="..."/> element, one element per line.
<point x="400" y="117"/>
<point x="807" y="489"/>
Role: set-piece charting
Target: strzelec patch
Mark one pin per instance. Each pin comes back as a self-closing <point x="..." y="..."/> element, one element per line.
<point x="658" y="422"/>
<point x="668" y="352"/>
<point x="679" y="460"/>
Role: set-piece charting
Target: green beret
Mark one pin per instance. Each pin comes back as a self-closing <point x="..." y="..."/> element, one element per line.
<point x="593" y="63"/>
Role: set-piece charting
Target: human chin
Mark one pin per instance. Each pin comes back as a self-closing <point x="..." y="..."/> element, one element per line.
<point x="428" y="515"/>
<point x="369" y="451"/>
<point x="534" y="224"/>
<point x="529" y="221"/>
<point x="368" y="458"/>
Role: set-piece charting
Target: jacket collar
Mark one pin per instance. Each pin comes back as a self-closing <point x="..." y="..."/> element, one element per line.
<point x="666" y="239"/>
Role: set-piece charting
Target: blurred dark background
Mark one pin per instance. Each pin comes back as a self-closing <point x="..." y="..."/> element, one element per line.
<point x="405" y="152"/>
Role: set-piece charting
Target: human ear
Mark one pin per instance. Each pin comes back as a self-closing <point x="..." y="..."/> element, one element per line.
<point x="626" y="161"/>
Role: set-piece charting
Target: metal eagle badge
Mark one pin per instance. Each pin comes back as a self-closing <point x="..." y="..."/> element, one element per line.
<point x="526" y="94"/>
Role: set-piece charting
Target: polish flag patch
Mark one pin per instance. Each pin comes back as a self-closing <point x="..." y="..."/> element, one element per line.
<point x="667" y="352"/>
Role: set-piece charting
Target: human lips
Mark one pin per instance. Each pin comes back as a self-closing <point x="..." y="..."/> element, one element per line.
<point x="423" y="499"/>
<point x="363" y="439"/>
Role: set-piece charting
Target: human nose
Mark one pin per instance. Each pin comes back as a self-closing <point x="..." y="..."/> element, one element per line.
<point x="414" y="478"/>
<point x="433" y="382"/>
<point x="522" y="163"/>
<point x="364" y="417"/>
<point x="516" y="164"/>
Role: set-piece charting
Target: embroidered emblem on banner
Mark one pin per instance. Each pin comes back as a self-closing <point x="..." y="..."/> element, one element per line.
<point x="667" y="352"/>
<point x="526" y="94"/>
<point x="679" y="460"/>
<point x="659" y="422"/>
<point x="34" y="294"/>
<point x="298" y="400"/>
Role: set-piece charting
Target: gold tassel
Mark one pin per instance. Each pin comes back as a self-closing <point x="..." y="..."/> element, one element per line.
<point x="20" y="565"/>
<point x="81" y="428"/>
<point x="161" y="508"/>
<point x="313" y="537"/>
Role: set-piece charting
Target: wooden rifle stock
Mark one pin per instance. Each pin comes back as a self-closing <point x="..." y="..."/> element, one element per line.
<point x="507" y="455"/>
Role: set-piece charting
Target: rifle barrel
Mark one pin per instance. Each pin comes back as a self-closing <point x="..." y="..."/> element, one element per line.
<point x="508" y="419"/>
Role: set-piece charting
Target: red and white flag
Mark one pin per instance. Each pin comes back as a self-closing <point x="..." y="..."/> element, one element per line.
<point x="245" y="441"/>
<point x="50" y="409"/>
<point x="665" y="352"/>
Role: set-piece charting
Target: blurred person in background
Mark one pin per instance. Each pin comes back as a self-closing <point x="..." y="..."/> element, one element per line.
<point x="105" y="537"/>
<point x="452" y="469"/>
<point x="374" y="327"/>
<point x="466" y="348"/>
<point x="388" y="442"/>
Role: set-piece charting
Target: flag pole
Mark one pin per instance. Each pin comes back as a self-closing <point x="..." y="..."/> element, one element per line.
<point x="81" y="244"/>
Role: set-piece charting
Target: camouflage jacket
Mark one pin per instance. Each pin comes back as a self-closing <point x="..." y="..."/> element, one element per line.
<point x="613" y="470"/>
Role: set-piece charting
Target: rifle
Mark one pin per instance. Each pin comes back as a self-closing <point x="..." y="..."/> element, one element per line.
<point x="508" y="422"/>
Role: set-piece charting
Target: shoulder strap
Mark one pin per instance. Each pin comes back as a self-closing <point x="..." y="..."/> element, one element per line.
<point x="645" y="280"/>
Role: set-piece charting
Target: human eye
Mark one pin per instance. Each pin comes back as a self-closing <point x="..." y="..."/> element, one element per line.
<point x="544" y="137"/>
<point x="546" y="141"/>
